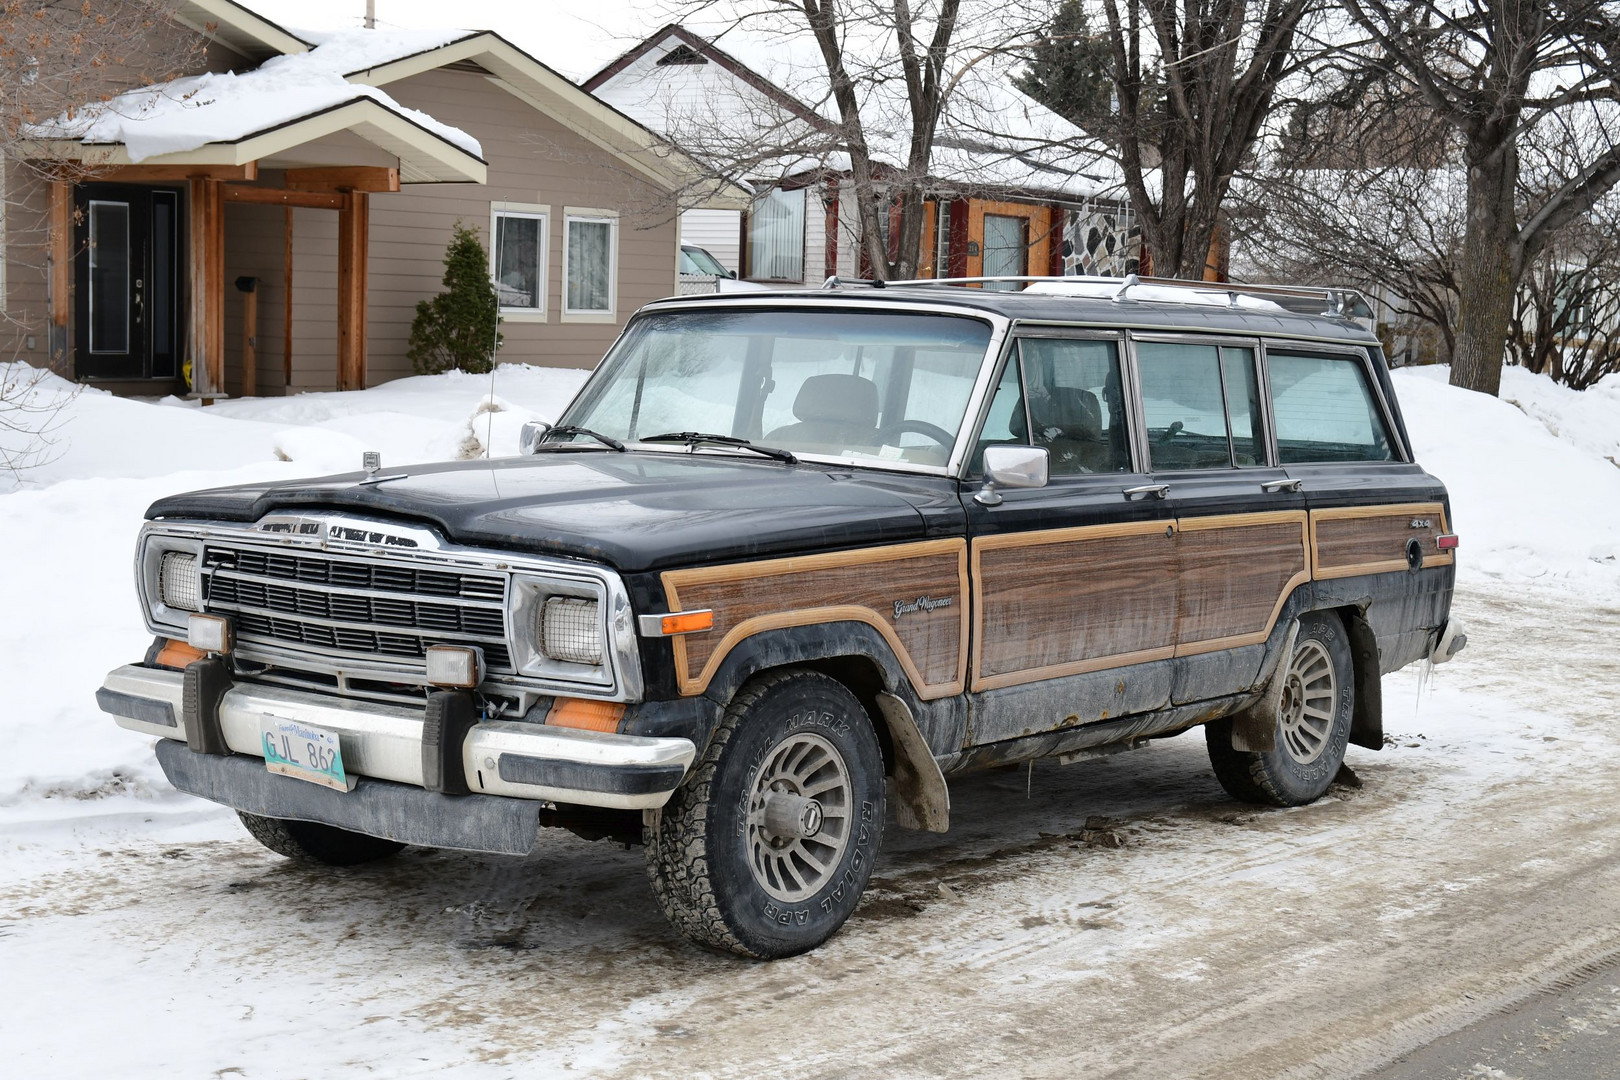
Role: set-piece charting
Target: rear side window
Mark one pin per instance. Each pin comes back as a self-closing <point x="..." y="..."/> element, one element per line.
<point x="1202" y="406"/>
<point x="1324" y="410"/>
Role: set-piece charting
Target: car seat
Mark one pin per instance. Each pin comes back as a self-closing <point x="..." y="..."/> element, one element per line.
<point x="834" y="412"/>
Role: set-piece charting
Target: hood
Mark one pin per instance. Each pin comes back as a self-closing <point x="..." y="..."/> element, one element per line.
<point x="633" y="511"/>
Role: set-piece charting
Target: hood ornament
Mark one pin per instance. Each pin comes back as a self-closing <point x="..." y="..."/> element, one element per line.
<point x="371" y="461"/>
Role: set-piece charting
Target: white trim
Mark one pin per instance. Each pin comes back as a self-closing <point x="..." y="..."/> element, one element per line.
<point x="610" y="218"/>
<point x="540" y="212"/>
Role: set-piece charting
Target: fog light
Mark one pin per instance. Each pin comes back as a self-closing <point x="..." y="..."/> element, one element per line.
<point x="209" y="633"/>
<point x="570" y="630"/>
<point x="455" y="666"/>
<point x="179" y="581"/>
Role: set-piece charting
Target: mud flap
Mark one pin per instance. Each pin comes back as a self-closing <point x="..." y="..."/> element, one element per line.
<point x="1254" y="730"/>
<point x="922" y="800"/>
<point x="1367" y="722"/>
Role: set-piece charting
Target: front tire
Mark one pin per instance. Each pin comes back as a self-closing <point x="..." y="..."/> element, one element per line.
<point x="1313" y="723"/>
<point x="311" y="842"/>
<point x="765" y="850"/>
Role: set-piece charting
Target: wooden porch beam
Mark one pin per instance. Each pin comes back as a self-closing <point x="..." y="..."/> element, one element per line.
<point x="353" y="225"/>
<point x="173" y="174"/>
<point x="61" y="254"/>
<point x="207" y="287"/>
<point x="315" y="200"/>
<point x="351" y="178"/>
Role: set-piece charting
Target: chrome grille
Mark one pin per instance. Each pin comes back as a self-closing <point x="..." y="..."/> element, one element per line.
<point x="364" y="608"/>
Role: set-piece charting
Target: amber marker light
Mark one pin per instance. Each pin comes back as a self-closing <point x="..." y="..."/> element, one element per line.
<point x="586" y="715"/>
<point x="676" y="622"/>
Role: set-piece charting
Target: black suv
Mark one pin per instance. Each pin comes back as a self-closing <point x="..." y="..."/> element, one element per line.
<point x="789" y="559"/>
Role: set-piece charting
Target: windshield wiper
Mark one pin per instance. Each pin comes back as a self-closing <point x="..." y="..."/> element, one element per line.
<point x="695" y="437"/>
<point x="575" y="429"/>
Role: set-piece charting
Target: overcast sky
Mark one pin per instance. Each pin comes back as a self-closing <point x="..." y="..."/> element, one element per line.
<point x="576" y="37"/>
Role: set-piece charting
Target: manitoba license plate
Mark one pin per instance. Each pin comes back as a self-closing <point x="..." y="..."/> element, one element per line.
<point x="308" y="753"/>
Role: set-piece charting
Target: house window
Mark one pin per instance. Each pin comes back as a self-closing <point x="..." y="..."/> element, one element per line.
<point x="942" y="238"/>
<point x="590" y="262"/>
<point x="776" y="236"/>
<point x="517" y="258"/>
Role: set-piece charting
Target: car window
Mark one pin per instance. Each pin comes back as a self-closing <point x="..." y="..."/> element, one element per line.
<point x="1074" y="396"/>
<point x="1243" y="407"/>
<point x="1324" y="410"/>
<point x="1183" y="406"/>
<point x="1006" y="412"/>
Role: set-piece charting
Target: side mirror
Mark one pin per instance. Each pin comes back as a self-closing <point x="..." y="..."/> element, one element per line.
<point x="732" y="274"/>
<point x="533" y="434"/>
<point x="1012" y="467"/>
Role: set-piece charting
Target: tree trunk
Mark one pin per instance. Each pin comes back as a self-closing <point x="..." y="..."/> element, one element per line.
<point x="1488" y="276"/>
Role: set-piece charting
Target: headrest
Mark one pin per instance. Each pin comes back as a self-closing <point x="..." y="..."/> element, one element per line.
<point x="841" y="399"/>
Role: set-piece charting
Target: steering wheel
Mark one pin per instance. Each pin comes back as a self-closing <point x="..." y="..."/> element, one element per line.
<point x="1170" y="432"/>
<point x="920" y="427"/>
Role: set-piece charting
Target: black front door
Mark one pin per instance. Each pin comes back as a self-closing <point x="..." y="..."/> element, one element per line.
<point x="127" y="281"/>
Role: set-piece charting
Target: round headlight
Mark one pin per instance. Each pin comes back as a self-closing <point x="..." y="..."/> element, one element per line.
<point x="179" y="581"/>
<point x="570" y="630"/>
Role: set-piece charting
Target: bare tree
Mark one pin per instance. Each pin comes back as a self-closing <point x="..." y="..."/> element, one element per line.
<point x="1502" y="73"/>
<point x="1566" y="313"/>
<point x="1194" y="83"/>
<point x="887" y="73"/>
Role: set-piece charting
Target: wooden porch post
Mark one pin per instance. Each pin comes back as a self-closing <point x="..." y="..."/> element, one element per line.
<point x="353" y="220"/>
<point x="207" y="281"/>
<point x="60" y="283"/>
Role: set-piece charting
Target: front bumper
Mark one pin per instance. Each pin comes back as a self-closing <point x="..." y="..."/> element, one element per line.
<point x="385" y="742"/>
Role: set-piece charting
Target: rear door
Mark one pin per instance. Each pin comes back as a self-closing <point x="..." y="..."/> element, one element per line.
<point x="1375" y="515"/>
<point x="1241" y="523"/>
<point x="1076" y="577"/>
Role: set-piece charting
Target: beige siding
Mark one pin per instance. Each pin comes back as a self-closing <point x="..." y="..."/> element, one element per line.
<point x="315" y="330"/>
<point x="23" y="217"/>
<point x="255" y="246"/>
<point x="532" y="159"/>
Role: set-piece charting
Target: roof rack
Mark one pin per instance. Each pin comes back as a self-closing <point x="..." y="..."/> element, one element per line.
<point x="1341" y="303"/>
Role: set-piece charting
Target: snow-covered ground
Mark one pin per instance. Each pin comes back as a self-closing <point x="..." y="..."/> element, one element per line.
<point x="151" y="920"/>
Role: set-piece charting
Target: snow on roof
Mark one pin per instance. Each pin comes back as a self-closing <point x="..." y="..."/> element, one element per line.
<point x="991" y="135"/>
<point x="222" y="107"/>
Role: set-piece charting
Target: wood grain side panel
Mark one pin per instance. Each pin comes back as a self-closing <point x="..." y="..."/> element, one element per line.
<point x="861" y="586"/>
<point x="1072" y="600"/>
<point x="1236" y="572"/>
<point x="1346" y="541"/>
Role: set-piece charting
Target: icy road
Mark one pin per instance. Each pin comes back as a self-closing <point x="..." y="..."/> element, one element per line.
<point x="1115" y="918"/>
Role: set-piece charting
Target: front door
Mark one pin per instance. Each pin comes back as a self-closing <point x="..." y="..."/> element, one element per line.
<point x="1074" y="583"/>
<point x="1006" y="250"/>
<point x="127" y="282"/>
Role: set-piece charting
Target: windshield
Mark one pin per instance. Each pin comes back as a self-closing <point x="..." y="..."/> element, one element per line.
<point x="862" y="386"/>
<point x="695" y="260"/>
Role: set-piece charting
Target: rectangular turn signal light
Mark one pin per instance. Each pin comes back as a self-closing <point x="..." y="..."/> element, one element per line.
<point x="586" y="715"/>
<point x="209" y="633"/>
<point x="455" y="666"/>
<point x="676" y="622"/>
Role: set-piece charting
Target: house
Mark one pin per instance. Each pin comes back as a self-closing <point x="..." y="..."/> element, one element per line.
<point x="1009" y="193"/>
<point x="269" y="224"/>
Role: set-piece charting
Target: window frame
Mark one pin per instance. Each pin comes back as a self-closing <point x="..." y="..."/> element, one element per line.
<point x="540" y="212"/>
<point x="1362" y="358"/>
<point x="747" y="256"/>
<point x="1218" y="342"/>
<point x="1012" y="352"/>
<point x="588" y="215"/>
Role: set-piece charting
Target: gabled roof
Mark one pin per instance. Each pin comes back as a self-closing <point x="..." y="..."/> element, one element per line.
<point x="707" y="50"/>
<point x="244" y="32"/>
<point x="543" y="88"/>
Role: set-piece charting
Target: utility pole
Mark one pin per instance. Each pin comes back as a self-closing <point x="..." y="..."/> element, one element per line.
<point x="371" y="14"/>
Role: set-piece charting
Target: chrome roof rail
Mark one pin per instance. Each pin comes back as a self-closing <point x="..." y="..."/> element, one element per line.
<point x="1339" y="301"/>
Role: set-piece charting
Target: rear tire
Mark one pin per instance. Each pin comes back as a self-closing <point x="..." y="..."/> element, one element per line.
<point x="1313" y="723"/>
<point x="765" y="849"/>
<point x="310" y="842"/>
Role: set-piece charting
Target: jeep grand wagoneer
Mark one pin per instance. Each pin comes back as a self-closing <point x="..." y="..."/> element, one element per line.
<point x="790" y="559"/>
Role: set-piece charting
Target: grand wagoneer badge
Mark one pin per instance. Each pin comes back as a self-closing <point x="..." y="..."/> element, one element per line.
<point x="922" y="603"/>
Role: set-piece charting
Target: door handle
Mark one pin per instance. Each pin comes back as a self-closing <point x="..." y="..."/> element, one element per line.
<point x="1282" y="485"/>
<point x="1150" y="491"/>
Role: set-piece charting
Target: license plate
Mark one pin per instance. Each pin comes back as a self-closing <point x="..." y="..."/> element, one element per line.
<point x="305" y="752"/>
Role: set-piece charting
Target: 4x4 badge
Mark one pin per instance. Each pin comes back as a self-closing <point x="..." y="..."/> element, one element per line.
<point x="1422" y="523"/>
